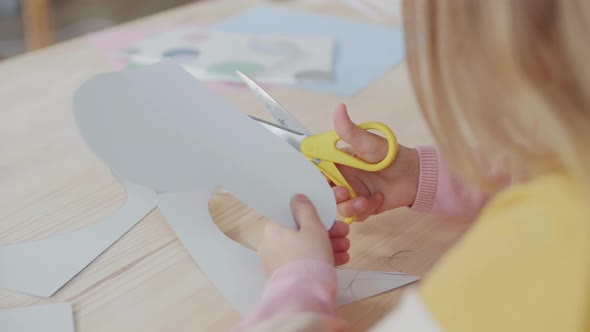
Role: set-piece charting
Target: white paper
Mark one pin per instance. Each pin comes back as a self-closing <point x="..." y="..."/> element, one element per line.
<point x="212" y="55"/>
<point x="39" y="318"/>
<point x="208" y="54"/>
<point x="159" y="127"/>
<point x="355" y="285"/>
<point x="390" y="7"/>
<point x="235" y="270"/>
<point x="363" y="8"/>
<point x="374" y="9"/>
<point x="42" y="267"/>
<point x="313" y="62"/>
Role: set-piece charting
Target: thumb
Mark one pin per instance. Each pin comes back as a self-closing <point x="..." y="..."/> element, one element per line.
<point x="368" y="146"/>
<point x="305" y="213"/>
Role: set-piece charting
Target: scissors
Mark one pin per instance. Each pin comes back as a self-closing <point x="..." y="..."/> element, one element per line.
<point x="320" y="149"/>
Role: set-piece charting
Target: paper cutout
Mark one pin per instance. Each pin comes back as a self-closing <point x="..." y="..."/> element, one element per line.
<point x="362" y="53"/>
<point x="312" y="62"/>
<point x="111" y="43"/>
<point x="42" y="267"/>
<point x="235" y="270"/>
<point x="215" y="55"/>
<point x="355" y="285"/>
<point x="38" y="318"/>
<point x="160" y="127"/>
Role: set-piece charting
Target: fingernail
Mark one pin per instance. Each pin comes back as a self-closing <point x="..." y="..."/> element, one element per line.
<point x="300" y="198"/>
<point x="358" y="205"/>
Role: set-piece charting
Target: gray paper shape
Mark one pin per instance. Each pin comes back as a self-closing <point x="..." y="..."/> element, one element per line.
<point x="38" y="318"/>
<point x="159" y="127"/>
<point x="42" y="267"/>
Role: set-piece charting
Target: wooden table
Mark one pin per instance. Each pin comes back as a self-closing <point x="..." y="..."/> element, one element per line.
<point x="51" y="183"/>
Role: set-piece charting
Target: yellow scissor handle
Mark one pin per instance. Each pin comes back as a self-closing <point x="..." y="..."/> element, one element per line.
<point x="323" y="147"/>
<point x="332" y="172"/>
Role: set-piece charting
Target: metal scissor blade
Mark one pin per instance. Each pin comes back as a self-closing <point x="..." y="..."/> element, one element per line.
<point x="280" y="114"/>
<point x="290" y="136"/>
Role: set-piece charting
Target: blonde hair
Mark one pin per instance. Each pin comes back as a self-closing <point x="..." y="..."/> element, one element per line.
<point x="510" y="76"/>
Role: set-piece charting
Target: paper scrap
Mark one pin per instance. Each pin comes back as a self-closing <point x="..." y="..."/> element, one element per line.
<point x="159" y="127"/>
<point x="39" y="318"/>
<point x="347" y="276"/>
<point x="363" y="52"/>
<point x="42" y="267"/>
<point x="212" y="55"/>
<point x="355" y="285"/>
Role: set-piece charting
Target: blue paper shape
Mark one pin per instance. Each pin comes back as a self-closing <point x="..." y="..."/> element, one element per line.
<point x="362" y="53"/>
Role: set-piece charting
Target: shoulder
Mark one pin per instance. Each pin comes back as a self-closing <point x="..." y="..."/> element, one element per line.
<point x="552" y="196"/>
<point x="527" y="241"/>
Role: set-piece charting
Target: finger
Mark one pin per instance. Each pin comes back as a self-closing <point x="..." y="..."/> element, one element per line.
<point x="305" y="213"/>
<point x="340" y="244"/>
<point x="341" y="194"/>
<point x="374" y="204"/>
<point x="353" y="207"/>
<point x="368" y="146"/>
<point x="341" y="258"/>
<point x="339" y="229"/>
<point x="330" y="182"/>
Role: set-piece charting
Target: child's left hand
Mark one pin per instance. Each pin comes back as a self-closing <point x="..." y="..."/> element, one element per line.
<point x="282" y="245"/>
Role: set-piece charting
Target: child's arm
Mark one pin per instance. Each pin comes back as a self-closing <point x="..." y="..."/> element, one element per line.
<point x="300" y="294"/>
<point x="442" y="192"/>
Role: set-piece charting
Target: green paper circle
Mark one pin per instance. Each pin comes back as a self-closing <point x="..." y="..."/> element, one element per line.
<point x="131" y="65"/>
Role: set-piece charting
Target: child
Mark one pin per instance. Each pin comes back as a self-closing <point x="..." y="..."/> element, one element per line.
<point x="511" y="79"/>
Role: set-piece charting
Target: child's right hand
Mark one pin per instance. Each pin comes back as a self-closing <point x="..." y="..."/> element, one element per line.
<point x="393" y="187"/>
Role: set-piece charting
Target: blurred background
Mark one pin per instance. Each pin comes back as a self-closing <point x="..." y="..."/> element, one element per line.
<point x="24" y="23"/>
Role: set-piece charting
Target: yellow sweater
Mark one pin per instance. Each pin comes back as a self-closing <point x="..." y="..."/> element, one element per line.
<point x="523" y="266"/>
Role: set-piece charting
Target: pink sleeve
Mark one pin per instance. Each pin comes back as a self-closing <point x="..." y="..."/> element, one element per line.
<point x="302" y="286"/>
<point x="442" y="192"/>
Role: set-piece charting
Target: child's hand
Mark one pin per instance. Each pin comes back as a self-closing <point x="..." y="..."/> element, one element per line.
<point x="282" y="245"/>
<point x="393" y="187"/>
